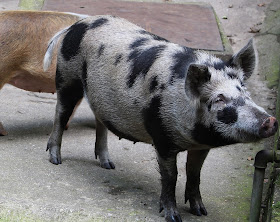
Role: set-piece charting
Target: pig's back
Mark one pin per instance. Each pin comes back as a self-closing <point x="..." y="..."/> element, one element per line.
<point x="123" y="67"/>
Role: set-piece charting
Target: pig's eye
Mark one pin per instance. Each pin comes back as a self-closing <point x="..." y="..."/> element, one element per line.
<point x="217" y="104"/>
<point x="220" y="99"/>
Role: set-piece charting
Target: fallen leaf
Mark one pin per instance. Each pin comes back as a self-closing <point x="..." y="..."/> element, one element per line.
<point x="254" y="30"/>
<point x="224" y="17"/>
<point x="250" y="158"/>
<point x="261" y="5"/>
<point x="232" y="42"/>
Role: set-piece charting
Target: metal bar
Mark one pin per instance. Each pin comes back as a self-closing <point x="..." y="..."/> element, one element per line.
<point x="262" y="158"/>
<point x="256" y="198"/>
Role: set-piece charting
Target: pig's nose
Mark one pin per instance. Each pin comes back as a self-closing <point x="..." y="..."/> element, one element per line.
<point x="269" y="127"/>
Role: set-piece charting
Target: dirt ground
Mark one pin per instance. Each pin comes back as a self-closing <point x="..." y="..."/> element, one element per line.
<point x="32" y="189"/>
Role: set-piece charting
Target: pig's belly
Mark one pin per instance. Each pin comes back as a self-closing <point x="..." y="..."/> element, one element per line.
<point x="33" y="83"/>
<point x="120" y="116"/>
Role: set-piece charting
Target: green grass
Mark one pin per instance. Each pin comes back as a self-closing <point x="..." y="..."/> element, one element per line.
<point x="31" y="4"/>
<point x="276" y="212"/>
<point x="17" y="216"/>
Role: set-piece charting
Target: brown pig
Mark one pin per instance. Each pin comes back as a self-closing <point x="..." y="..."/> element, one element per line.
<point x="24" y="37"/>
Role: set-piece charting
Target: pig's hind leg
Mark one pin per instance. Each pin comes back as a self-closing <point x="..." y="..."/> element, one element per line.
<point x="195" y="161"/>
<point x="68" y="95"/>
<point x="101" y="148"/>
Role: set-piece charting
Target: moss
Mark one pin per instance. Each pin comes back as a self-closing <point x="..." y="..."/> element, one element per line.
<point x="228" y="52"/>
<point x="17" y="215"/>
<point x="243" y="194"/>
<point x="239" y="194"/>
<point x="273" y="75"/>
<point x="31" y="4"/>
<point x="276" y="212"/>
<point x="223" y="36"/>
<point x="134" y="213"/>
<point x="271" y="19"/>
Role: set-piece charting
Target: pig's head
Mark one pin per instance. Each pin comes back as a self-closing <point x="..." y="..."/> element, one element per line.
<point x="226" y="113"/>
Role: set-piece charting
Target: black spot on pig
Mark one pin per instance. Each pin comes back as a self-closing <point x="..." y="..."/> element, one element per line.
<point x="182" y="60"/>
<point x="209" y="136"/>
<point x="101" y="50"/>
<point x="69" y="93"/>
<point x="239" y="101"/>
<point x="118" y="59"/>
<point x="219" y="65"/>
<point x="154" y="125"/>
<point x="141" y="62"/>
<point x="155" y="37"/>
<point x="84" y="75"/>
<point x="67" y="89"/>
<point x="153" y="84"/>
<point x="162" y="87"/>
<point x="228" y="115"/>
<point x="209" y="107"/>
<point x="99" y="22"/>
<point x="58" y="79"/>
<point x="118" y="133"/>
<point x="72" y="40"/>
<point x="138" y="42"/>
<point x="232" y="75"/>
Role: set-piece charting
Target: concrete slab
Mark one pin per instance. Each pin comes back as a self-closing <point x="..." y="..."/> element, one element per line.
<point x="193" y="25"/>
<point x="8" y="5"/>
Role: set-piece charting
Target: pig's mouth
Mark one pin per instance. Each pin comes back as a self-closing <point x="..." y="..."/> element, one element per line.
<point x="268" y="128"/>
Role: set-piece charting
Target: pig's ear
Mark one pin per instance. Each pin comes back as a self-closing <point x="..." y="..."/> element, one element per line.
<point x="245" y="59"/>
<point x="197" y="75"/>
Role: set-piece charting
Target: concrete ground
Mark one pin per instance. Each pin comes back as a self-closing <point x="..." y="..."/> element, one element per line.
<point x="32" y="189"/>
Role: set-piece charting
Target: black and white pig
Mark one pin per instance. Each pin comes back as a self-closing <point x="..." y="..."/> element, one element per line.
<point x="144" y="88"/>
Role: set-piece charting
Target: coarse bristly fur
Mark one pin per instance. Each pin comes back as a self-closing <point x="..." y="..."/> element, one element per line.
<point x="144" y="88"/>
<point x="23" y="42"/>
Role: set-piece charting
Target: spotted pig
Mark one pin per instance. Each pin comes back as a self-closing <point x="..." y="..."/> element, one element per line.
<point x="144" y="88"/>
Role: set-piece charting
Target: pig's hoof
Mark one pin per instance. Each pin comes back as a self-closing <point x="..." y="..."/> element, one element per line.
<point x="173" y="218"/>
<point x="3" y="132"/>
<point x="55" y="156"/>
<point x="105" y="161"/>
<point x="171" y="215"/>
<point x="55" y="160"/>
<point x="196" y="206"/>
<point x="107" y="165"/>
<point x="198" y="211"/>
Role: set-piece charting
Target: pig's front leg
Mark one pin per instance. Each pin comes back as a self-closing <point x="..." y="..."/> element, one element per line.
<point x="101" y="147"/>
<point x="195" y="161"/>
<point x="168" y="171"/>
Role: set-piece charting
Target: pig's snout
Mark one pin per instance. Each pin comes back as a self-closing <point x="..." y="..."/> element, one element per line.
<point x="268" y="127"/>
